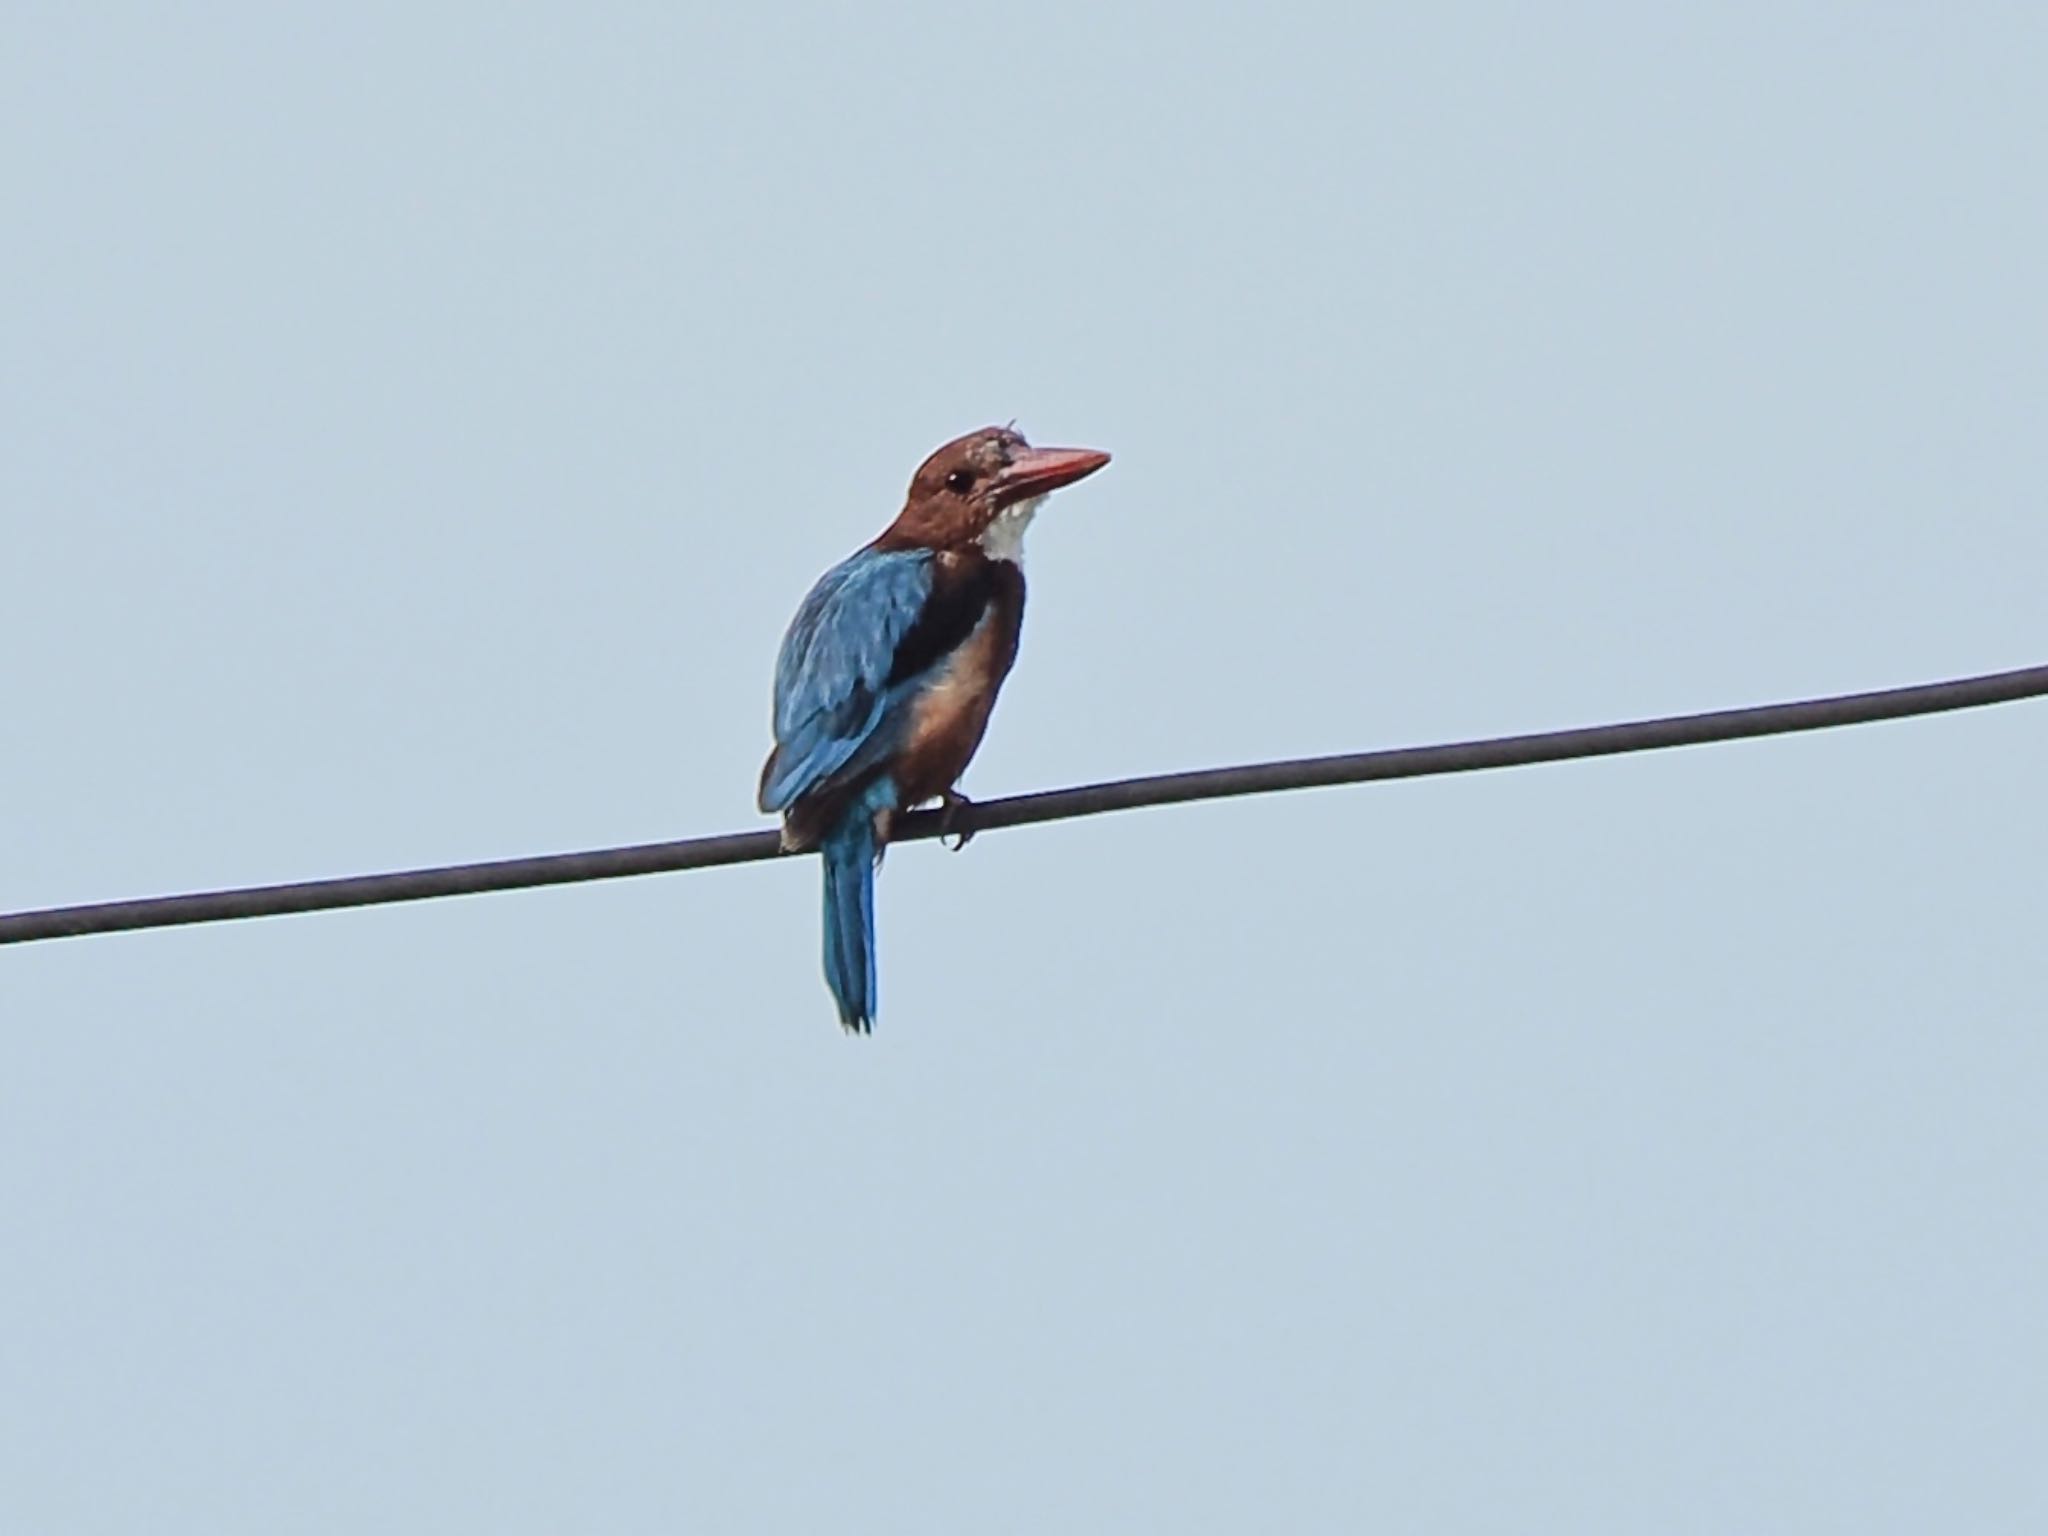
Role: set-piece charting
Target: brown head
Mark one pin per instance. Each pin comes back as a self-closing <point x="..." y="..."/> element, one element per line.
<point x="982" y="489"/>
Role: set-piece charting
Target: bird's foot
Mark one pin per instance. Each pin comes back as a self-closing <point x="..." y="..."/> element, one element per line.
<point x="951" y="804"/>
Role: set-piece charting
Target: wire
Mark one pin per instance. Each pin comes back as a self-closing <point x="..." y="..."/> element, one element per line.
<point x="1026" y="810"/>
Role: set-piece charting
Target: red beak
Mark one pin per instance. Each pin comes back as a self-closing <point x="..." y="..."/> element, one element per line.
<point x="1035" y="471"/>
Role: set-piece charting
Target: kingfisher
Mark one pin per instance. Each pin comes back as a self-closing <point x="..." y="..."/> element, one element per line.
<point x="887" y="674"/>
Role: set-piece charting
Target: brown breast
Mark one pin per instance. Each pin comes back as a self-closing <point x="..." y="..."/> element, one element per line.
<point x="952" y="711"/>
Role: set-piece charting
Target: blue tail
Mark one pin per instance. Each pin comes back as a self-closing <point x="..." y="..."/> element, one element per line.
<point x="849" y="857"/>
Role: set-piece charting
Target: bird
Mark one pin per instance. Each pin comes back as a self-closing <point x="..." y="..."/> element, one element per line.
<point x="886" y="676"/>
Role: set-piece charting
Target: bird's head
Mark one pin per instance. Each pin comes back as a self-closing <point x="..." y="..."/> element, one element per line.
<point x="983" y="489"/>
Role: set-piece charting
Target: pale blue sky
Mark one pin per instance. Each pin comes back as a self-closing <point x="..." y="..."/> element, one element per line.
<point x="420" y="425"/>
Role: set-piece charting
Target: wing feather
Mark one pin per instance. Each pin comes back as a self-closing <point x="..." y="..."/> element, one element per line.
<point x="837" y="688"/>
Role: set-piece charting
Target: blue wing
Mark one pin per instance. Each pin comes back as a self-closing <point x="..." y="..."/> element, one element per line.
<point x="835" y="713"/>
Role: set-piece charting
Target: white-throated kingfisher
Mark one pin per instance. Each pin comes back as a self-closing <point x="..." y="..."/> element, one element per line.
<point x="886" y="677"/>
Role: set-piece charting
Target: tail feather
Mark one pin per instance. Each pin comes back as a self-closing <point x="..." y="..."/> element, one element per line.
<point x="848" y="854"/>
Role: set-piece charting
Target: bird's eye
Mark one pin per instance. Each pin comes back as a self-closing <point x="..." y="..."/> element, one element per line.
<point x="960" y="481"/>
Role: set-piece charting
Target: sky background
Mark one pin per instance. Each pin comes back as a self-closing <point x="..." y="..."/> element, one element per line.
<point x="419" y="425"/>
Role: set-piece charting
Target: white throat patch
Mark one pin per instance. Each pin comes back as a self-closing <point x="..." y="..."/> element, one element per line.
<point x="1003" y="538"/>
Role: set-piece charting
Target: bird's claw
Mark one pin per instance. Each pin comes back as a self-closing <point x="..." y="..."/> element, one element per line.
<point x="951" y="803"/>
